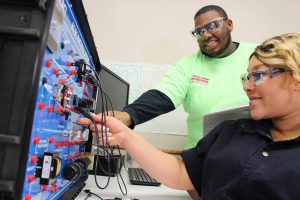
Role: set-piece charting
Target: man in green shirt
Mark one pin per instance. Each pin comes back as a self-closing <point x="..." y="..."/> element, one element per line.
<point x="203" y="82"/>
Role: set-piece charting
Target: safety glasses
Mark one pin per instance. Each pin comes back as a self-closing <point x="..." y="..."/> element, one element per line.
<point x="211" y="27"/>
<point x="259" y="76"/>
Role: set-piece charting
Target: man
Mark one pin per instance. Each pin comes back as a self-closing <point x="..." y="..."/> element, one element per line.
<point x="203" y="82"/>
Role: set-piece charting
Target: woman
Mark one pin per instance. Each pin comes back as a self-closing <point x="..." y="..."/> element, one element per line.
<point x="254" y="158"/>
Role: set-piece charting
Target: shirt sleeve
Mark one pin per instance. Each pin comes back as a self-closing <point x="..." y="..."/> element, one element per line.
<point x="194" y="158"/>
<point x="176" y="80"/>
<point x="148" y="106"/>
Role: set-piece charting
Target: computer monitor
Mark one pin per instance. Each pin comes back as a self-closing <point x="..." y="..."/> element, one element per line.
<point x="116" y="89"/>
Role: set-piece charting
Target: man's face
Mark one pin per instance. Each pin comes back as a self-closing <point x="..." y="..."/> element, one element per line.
<point x="214" y="44"/>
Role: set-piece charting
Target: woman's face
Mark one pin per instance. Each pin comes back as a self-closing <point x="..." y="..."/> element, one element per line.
<point x="269" y="97"/>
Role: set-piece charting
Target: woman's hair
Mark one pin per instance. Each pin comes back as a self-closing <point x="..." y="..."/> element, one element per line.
<point x="281" y="51"/>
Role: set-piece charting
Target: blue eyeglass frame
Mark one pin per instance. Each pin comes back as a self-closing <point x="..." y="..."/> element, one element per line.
<point x="259" y="76"/>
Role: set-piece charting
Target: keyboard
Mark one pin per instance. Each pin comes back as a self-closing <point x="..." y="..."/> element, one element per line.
<point x="138" y="176"/>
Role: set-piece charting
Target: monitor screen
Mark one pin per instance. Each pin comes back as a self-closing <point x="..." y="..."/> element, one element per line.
<point x="116" y="89"/>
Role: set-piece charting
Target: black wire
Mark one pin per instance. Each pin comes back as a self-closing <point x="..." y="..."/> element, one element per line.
<point x="105" y="107"/>
<point x="87" y="115"/>
<point x="90" y="194"/>
<point x="96" y="195"/>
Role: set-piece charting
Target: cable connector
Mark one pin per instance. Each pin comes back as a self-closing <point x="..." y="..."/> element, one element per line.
<point x="87" y="191"/>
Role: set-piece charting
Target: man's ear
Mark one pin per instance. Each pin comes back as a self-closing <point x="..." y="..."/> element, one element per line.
<point x="229" y="24"/>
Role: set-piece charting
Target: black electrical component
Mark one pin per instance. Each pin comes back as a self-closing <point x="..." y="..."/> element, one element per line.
<point x="76" y="169"/>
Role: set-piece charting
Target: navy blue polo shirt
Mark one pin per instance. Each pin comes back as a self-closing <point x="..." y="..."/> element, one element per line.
<point x="238" y="160"/>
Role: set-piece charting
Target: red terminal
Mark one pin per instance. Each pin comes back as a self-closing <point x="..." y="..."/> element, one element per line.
<point x="86" y="93"/>
<point x="36" y="140"/>
<point x="71" y="89"/>
<point x="41" y="106"/>
<point x="80" y="84"/>
<point x="73" y="72"/>
<point x="48" y="63"/>
<point x="27" y="197"/>
<point x="51" y="140"/>
<point x="69" y="63"/>
<point x="44" y="187"/>
<point x="78" y="154"/>
<point x="62" y="81"/>
<point x="71" y="157"/>
<point x="52" y="189"/>
<point x="59" y="110"/>
<point x="56" y="71"/>
<point x="33" y="159"/>
<point x="71" y="51"/>
<point x="57" y="144"/>
<point x="30" y="178"/>
<point x="50" y="109"/>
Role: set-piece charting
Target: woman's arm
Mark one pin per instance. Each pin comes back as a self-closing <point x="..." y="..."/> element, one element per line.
<point x="163" y="167"/>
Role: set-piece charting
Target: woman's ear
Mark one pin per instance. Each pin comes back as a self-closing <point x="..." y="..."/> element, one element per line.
<point x="296" y="85"/>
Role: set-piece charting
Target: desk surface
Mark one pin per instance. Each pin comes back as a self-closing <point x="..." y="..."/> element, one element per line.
<point x="133" y="191"/>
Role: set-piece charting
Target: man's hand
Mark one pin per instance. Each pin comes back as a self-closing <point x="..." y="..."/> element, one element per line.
<point x="122" y="116"/>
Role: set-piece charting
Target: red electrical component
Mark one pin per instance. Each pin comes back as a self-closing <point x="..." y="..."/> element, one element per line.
<point x="86" y="93"/>
<point x="57" y="144"/>
<point x="69" y="63"/>
<point x="59" y="110"/>
<point x="78" y="154"/>
<point x="30" y="178"/>
<point x="52" y="189"/>
<point x="33" y="159"/>
<point x="62" y="81"/>
<point x="48" y="63"/>
<point x="36" y="140"/>
<point x="56" y="71"/>
<point x="27" y="197"/>
<point x="51" y="140"/>
<point x="41" y="106"/>
<point x="73" y="72"/>
<point x="50" y="109"/>
<point x="44" y="187"/>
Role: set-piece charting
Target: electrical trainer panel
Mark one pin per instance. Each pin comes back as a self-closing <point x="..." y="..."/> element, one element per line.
<point x="56" y="166"/>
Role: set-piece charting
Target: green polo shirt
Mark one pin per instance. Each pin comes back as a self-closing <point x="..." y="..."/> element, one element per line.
<point x="203" y="85"/>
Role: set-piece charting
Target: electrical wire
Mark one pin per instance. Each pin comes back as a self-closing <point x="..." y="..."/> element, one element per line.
<point x="107" y="150"/>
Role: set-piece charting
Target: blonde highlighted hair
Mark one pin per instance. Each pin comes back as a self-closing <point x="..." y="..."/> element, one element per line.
<point x="281" y="51"/>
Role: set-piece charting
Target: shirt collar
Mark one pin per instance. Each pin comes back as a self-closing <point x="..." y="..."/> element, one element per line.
<point x="261" y="127"/>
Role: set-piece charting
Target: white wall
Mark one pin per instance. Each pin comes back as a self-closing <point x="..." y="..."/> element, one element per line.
<point x="158" y="32"/>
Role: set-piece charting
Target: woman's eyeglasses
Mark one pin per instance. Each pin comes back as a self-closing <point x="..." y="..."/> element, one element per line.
<point x="259" y="76"/>
<point x="211" y="27"/>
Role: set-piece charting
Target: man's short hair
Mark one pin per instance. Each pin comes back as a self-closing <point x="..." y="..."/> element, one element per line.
<point x="216" y="8"/>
